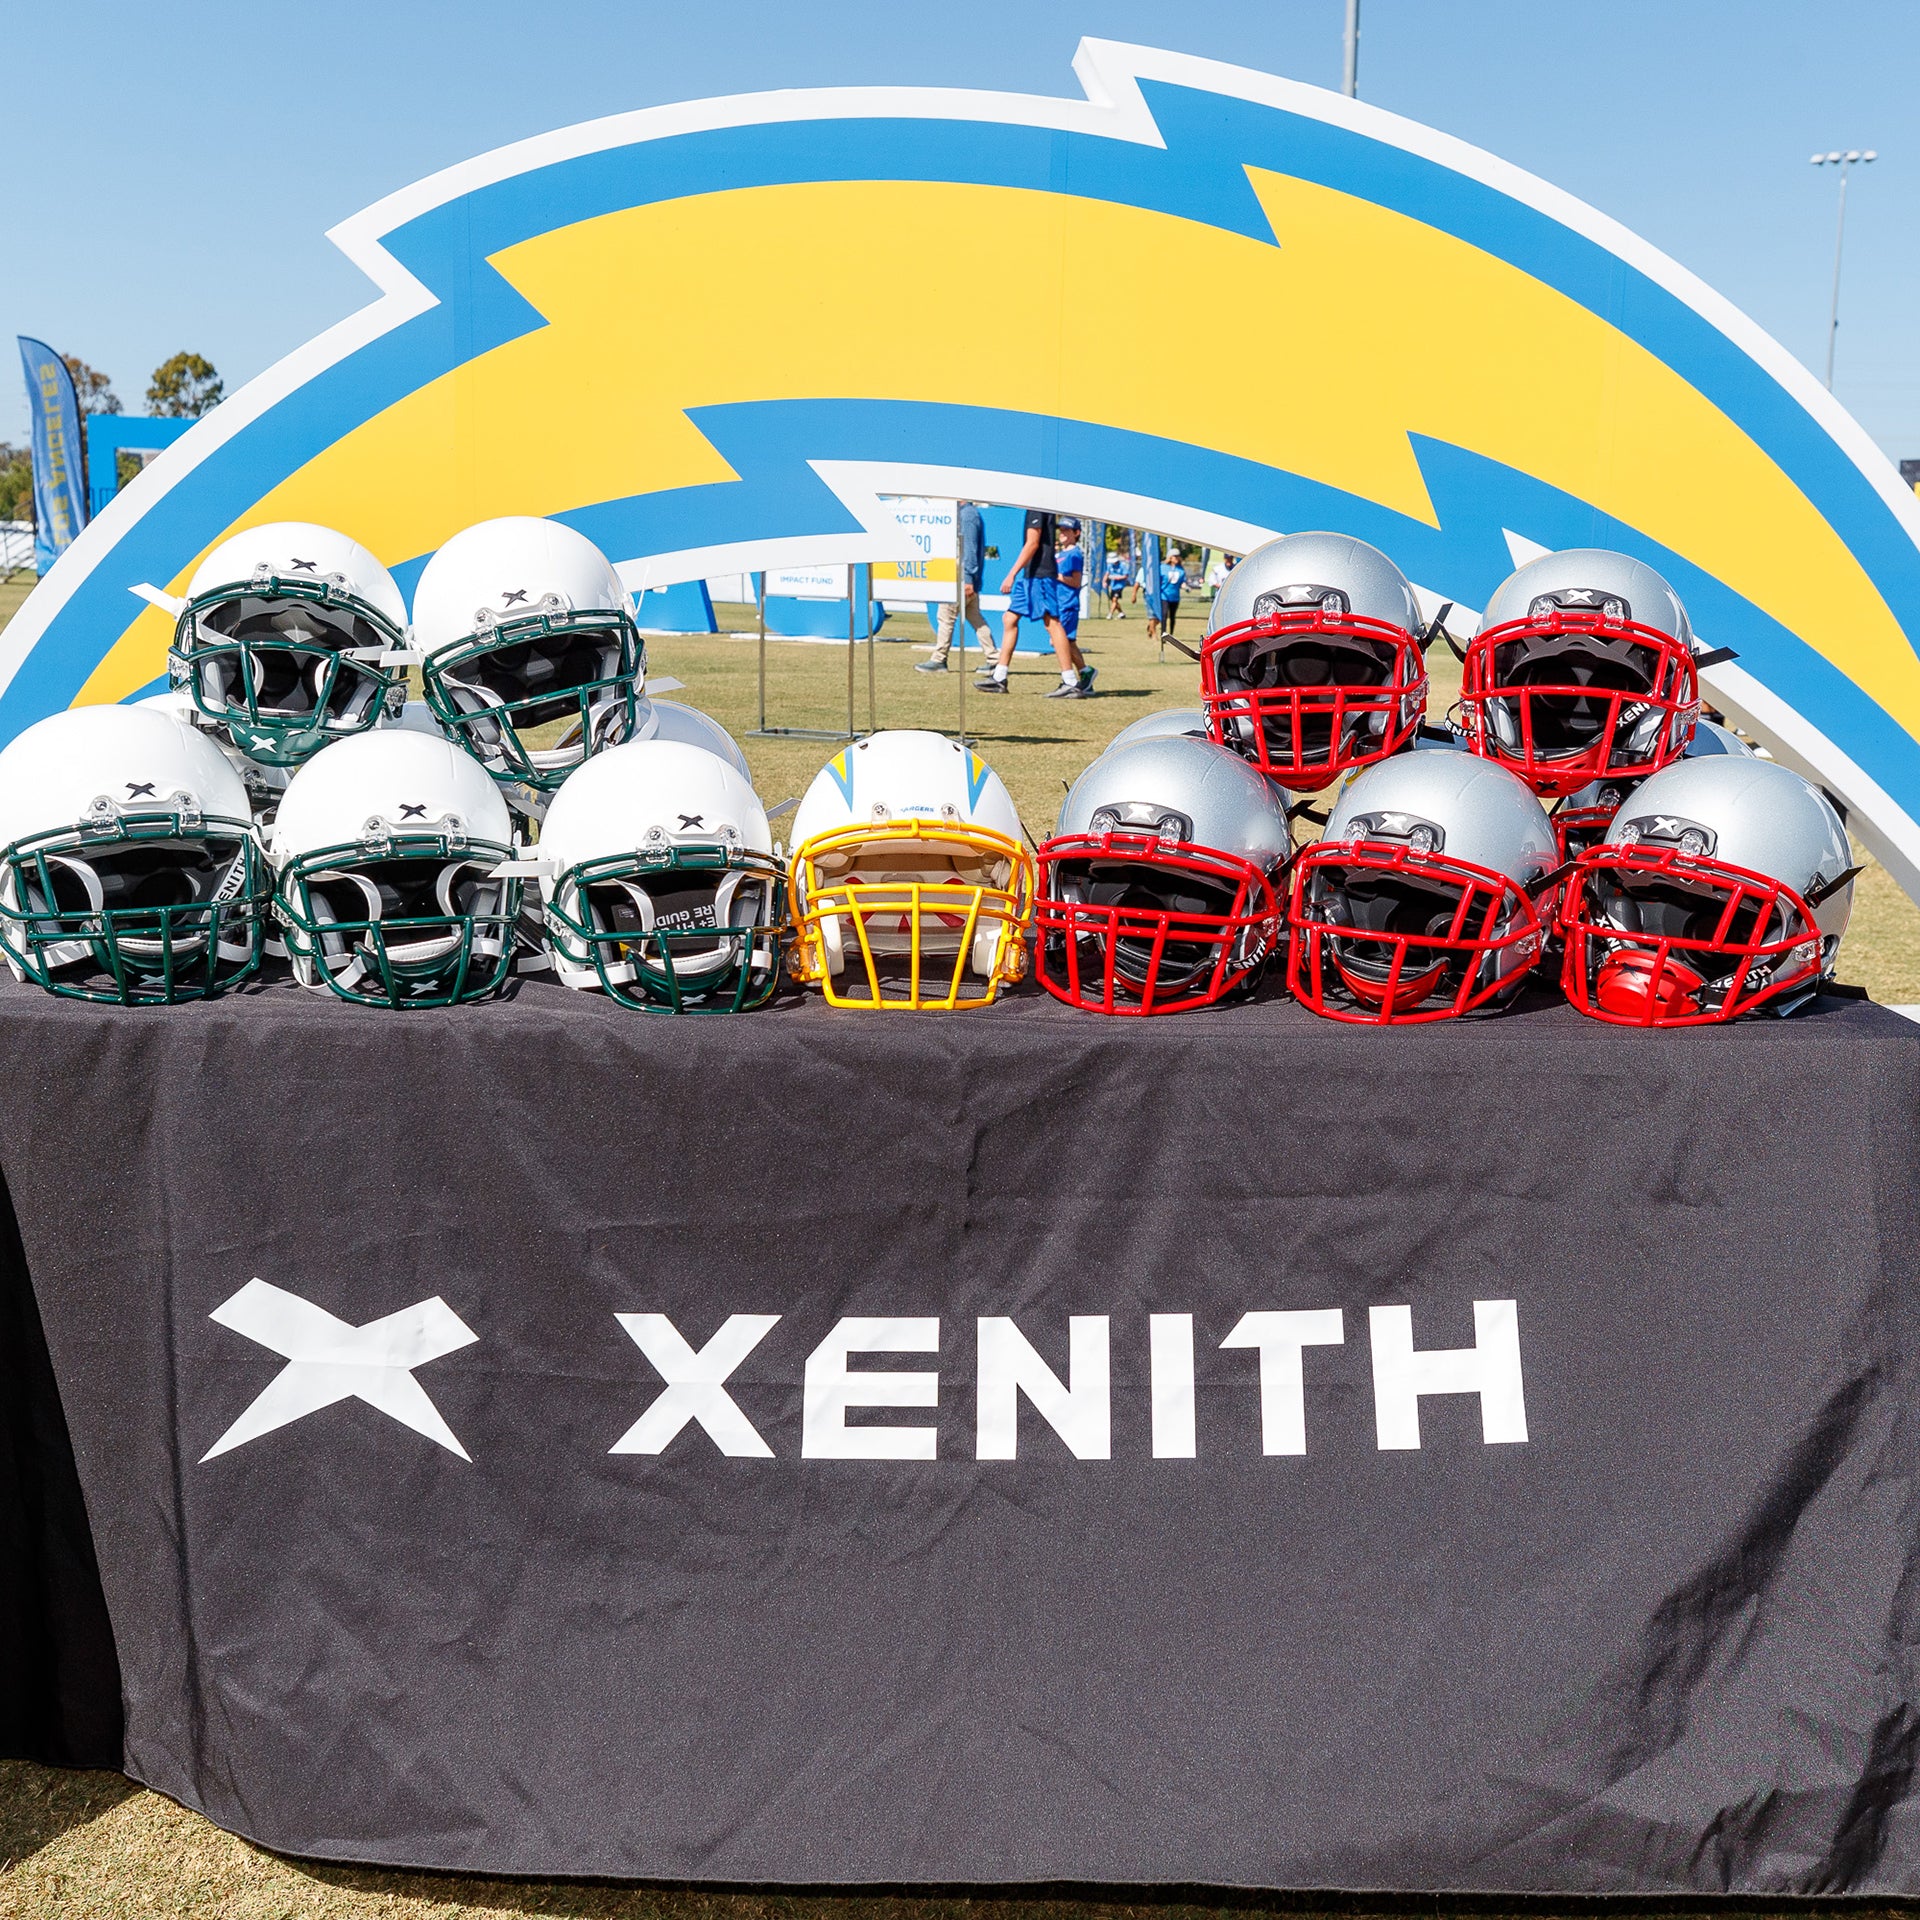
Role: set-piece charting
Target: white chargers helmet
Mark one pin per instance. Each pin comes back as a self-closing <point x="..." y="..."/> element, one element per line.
<point x="1583" y="668"/>
<point x="911" y="884"/>
<point x="129" y="871"/>
<point x="660" y="884"/>
<point x="1580" y="820"/>
<point x="384" y="850"/>
<point x="1422" y="899"/>
<point x="1314" y="660"/>
<point x="283" y="640"/>
<point x="1723" y="884"/>
<point x="1157" y="888"/>
<point x="522" y="626"/>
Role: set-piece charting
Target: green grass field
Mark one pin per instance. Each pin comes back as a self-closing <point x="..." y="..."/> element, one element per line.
<point x="96" y="1845"/>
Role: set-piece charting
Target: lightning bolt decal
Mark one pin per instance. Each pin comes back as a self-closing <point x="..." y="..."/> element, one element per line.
<point x="1403" y="338"/>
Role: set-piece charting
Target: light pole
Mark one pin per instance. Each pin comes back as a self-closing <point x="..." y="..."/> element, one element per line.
<point x="1846" y="162"/>
<point x="1350" y="47"/>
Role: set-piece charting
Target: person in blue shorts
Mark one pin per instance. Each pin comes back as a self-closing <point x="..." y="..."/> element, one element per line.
<point x="1030" y="586"/>
<point x="1119" y="571"/>
<point x="1070" y="579"/>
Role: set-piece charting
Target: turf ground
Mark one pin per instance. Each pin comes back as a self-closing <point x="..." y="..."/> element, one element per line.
<point x="95" y="1845"/>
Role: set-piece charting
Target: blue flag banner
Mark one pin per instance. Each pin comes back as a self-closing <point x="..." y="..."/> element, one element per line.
<point x="1150" y="583"/>
<point x="59" y="498"/>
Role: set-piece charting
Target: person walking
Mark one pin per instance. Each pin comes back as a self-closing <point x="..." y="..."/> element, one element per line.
<point x="1173" y="580"/>
<point x="970" y="559"/>
<point x="1118" y="572"/>
<point x="1070" y="579"/>
<point x="1030" y="586"/>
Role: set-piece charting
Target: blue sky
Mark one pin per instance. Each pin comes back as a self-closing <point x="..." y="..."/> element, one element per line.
<point x="159" y="216"/>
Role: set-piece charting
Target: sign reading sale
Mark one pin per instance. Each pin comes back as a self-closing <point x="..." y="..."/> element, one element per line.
<point x="927" y="525"/>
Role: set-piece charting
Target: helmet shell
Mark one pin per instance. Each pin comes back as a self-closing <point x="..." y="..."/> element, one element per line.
<point x="1600" y="575"/>
<point x="651" y="793"/>
<point x="394" y="781"/>
<point x="1477" y="811"/>
<point x="1374" y="587"/>
<point x="1170" y="721"/>
<point x="1755" y="814"/>
<point x="299" y="550"/>
<point x="670" y="720"/>
<point x="905" y="775"/>
<point x="88" y="761"/>
<point x="1216" y="799"/>
<point x="674" y="839"/>
<point x="502" y="570"/>
<point x="264" y="782"/>
<point x="1713" y="741"/>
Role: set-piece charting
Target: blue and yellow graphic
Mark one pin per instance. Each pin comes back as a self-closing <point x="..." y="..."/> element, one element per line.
<point x="1402" y="338"/>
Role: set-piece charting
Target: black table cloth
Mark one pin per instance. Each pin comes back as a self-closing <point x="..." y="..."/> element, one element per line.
<point x="479" y="1420"/>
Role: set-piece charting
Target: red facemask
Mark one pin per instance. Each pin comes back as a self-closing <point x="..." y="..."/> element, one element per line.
<point x="1382" y="934"/>
<point x="1129" y="923"/>
<point x="1561" y="713"/>
<point x="1307" y="695"/>
<point x="1659" y="938"/>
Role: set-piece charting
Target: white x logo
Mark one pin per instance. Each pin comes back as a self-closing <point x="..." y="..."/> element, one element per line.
<point x="327" y="1360"/>
<point x="696" y="1384"/>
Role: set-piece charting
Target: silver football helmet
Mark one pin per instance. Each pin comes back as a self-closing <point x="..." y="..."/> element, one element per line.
<point x="1314" y="659"/>
<point x="1157" y="889"/>
<point x="1583" y="668"/>
<point x="1722" y="885"/>
<point x="1169" y="723"/>
<point x="1422" y="899"/>
<point x="1580" y="820"/>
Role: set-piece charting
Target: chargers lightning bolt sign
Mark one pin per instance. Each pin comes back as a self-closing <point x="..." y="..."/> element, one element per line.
<point x="1402" y="337"/>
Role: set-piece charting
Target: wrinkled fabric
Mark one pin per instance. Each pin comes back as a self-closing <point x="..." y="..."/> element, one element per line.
<point x="1665" y="1643"/>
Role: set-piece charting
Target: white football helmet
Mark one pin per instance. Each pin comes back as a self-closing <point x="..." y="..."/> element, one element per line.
<point x="384" y="851"/>
<point x="264" y="784"/>
<point x="129" y="870"/>
<point x="1723" y="884"/>
<point x="523" y="626"/>
<point x="911" y="884"/>
<point x="283" y="640"/>
<point x="660" y="883"/>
